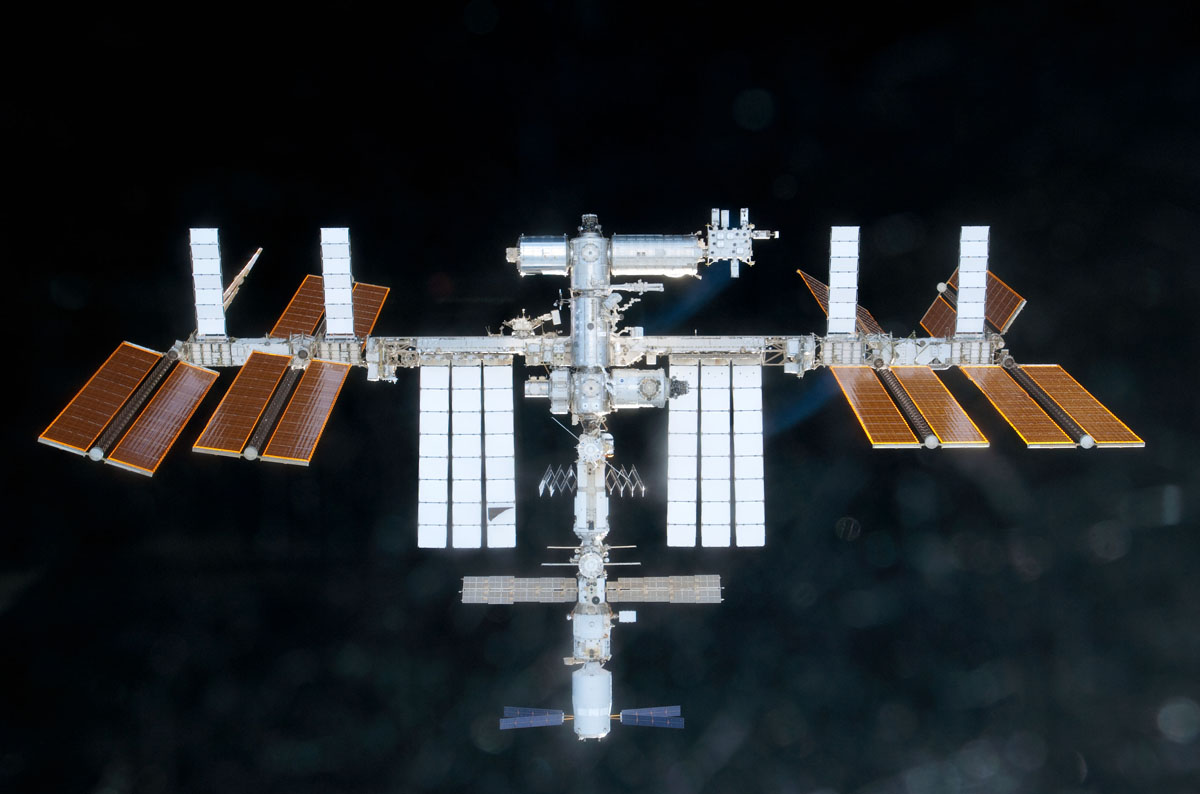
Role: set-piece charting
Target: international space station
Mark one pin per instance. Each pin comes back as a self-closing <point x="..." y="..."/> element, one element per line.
<point x="133" y="409"/>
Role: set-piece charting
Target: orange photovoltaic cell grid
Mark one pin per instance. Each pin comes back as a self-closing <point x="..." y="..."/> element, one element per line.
<point x="945" y="416"/>
<point x="232" y="423"/>
<point x="300" y="427"/>
<point x="368" y="302"/>
<point x="878" y="415"/>
<point x="1025" y="416"/>
<point x="303" y="312"/>
<point x="939" y="321"/>
<point x="78" y="425"/>
<point x="150" y="437"/>
<point x="865" y="321"/>
<point x="1001" y="302"/>
<point x="1104" y="428"/>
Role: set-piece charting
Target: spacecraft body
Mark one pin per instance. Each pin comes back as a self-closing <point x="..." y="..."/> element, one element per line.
<point x="131" y="411"/>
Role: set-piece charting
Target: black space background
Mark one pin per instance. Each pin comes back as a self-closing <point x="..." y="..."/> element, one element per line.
<point x="998" y="621"/>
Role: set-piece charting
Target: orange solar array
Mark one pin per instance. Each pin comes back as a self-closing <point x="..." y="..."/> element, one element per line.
<point x="78" y="425"/>
<point x="232" y="423"/>
<point x="945" y="416"/>
<point x="150" y="437"/>
<point x="878" y="415"/>
<point x="863" y="319"/>
<point x="1025" y="416"/>
<point x="368" y="302"/>
<point x="1001" y="303"/>
<point x="1106" y="429"/>
<point x="304" y="310"/>
<point x="299" y="429"/>
<point x="939" y="321"/>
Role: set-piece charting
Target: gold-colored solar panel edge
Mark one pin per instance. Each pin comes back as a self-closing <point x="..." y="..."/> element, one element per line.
<point x="1081" y="419"/>
<point x="44" y="437"/>
<point x="114" y="461"/>
<point x="809" y="282"/>
<point x="943" y="437"/>
<point x="977" y="375"/>
<point x="227" y="451"/>
<point x="898" y="425"/>
<point x="345" y="368"/>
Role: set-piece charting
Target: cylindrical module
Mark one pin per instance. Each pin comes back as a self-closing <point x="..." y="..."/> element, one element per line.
<point x="545" y="256"/>
<point x="589" y="330"/>
<point x="591" y="698"/>
<point x="669" y="255"/>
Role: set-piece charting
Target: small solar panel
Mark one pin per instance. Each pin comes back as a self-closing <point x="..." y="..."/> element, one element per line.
<point x="881" y="420"/>
<point x="1003" y="303"/>
<point x="1104" y="428"/>
<point x="865" y="321"/>
<point x="368" y="303"/>
<point x="304" y="310"/>
<point x="513" y="590"/>
<point x="705" y="589"/>
<point x="78" y="425"/>
<point x="299" y="429"/>
<point x="945" y="416"/>
<point x="520" y="711"/>
<point x="1032" y="424"/>
<point x="940" y="319"/>
<point x="152" y="434"/>
<point x="647" y="721"/>
<point x="654" y="711"/>
<point x="532" y="721"/>
<point x="232" y="423"/>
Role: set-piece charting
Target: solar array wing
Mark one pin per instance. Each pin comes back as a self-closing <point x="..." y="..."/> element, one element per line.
<point x="78" y="425"/>
<point x="940" y="319"/>
<point x="1003" y="303"/>
<point x="704" y="589"/>
<point x="232" y="423"/>
<point x="433" y="462"/>
<point x="532" y="721"/>
<point x="1033" y="425"/>
<point x="152" y="434"/>
<point x="864" y="320"/>
<point x="818" y="290"/>
<point x="368" y="302"/>
<point x="683" y="454"/>
<point x="513" y="590"/>
<point x="881" y="420"/>
<point x="304" y="310"/>
<point x="647" y="721"/>
<point x="299" y="429"/>
<point x="654" y="711"/>
<point x="945" y="416"/>
<point x="521" y="711"/>
<point x="1104" y="428"/>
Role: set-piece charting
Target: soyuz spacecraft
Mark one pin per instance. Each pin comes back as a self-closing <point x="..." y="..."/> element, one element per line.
<point x="131" y="411"/>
